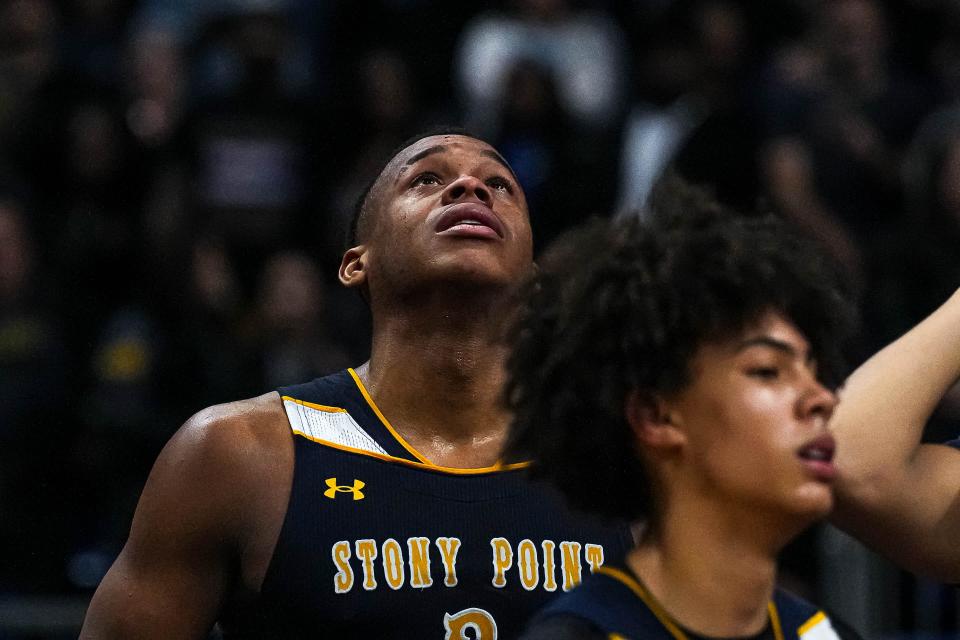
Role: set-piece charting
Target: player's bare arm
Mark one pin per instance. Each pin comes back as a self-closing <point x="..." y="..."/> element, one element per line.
<point x="899" y="496"/>
<point x="204" y="528"/>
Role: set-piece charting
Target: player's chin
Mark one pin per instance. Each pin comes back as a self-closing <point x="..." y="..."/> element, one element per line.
<point x="482" y="269"/>
<point x="813" y="501"/>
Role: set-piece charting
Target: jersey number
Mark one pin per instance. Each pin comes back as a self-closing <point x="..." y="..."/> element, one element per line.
<point x="476" y="620"/>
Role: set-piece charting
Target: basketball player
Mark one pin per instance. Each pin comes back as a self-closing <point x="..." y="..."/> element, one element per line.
<point x="371" y="503"/>
<point x="695" y="353"/>
<point x="898" y="495"/>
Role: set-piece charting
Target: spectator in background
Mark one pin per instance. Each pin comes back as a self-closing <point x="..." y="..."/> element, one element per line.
<point x="691" y="112"/>
<point x="921" y="265"/>
<point x="941" y="40"/>
<point x="35" y="439"/>
<point x="28" y="64"/>
<point x="251" y="139"/>
<point x="208" y="363"/>
<point x="584" y="50"/>
<point x="291" y="341"/>
<point x="156" y="87"/>
<point x="28" y="60"/>
<point x="920" y="262"/>
<point x="92" y="40"/>
<point x="32" y="371"/>
<point x="95" y="211"/>
<point x="156" y="96"/>
<point x="544" y="80"/>
<point x="563" y="182"/>
<point x="838" y="115"/>
<point x="387" y="105"/>
<point x="125" y="423"/>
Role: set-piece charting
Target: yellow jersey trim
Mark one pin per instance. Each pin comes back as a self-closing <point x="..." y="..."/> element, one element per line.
<point x="641" y="592"/>
<point x="383" y="419"/>
<point x="318" y="407"/>
<point x="412" y="463"/>
<point x="819" y="617"/>
<point x="775" y="620"/>
<point x="647" y="599"/>
<point x="499" y="466"/>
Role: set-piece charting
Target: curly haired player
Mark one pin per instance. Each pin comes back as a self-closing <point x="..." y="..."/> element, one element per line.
<point x="673" y="371"/>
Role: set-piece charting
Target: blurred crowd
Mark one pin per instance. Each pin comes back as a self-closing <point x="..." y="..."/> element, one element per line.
<point x="175" y="178"/>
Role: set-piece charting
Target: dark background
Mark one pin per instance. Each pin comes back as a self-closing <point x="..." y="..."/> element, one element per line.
<point x="175" y="178"/>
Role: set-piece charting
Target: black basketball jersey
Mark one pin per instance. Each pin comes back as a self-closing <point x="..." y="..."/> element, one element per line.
<point x="614" y="602"/>
<point x="378" y="542"/>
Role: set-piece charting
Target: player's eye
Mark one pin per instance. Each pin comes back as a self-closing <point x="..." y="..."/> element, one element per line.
<point x="426" y="179"/>
<point x="500" y="184"/>
<point x="764" y="373"/>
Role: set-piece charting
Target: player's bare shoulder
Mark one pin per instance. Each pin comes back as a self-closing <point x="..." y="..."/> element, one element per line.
<point x="230" y="468"/>
<point x="205" y="526"/>
<point x="239" y="428"/>
<point x="250" y="443"/>
<point x="246" y="440"/>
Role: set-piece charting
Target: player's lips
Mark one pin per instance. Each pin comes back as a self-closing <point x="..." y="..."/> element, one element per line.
<point x="470" y="219"/>
<point x="817" y="457"/>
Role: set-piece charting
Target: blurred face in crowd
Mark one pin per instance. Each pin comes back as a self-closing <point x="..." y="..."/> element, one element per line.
<point x="754" y="424"/>
<point x="28" y="31"/>
<point x="291" y="293"/>
<point x="446" y="209"/>
<point x="856" y="30"/>
<point x="15" y="253"/>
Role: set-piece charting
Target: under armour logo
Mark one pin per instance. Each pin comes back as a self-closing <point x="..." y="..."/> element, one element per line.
<point x="344" y="488"/>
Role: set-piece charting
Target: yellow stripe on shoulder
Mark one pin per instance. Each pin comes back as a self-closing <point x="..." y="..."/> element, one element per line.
<point x="386" y="423"/>
<point x="809" y="624"/>
<point x="818" y="628"/>
<point x="318" y="407"/>
<point x="499" y="467"/>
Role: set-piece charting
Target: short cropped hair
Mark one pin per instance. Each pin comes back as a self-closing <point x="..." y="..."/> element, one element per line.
<point x="624" y="307"/>
<point x="361" y="207"/>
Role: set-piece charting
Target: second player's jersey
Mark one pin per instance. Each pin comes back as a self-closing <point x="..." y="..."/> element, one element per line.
<point x="379" y="543"/>
<point x="621" y="608"/>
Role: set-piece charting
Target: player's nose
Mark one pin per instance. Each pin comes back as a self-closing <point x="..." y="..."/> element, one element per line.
<point x="465" y="187"/>
<point x="817" y="401"/>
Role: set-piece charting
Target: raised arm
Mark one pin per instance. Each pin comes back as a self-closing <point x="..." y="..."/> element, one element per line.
<point x="191" y="534"/>
<point x="898" y="496"/>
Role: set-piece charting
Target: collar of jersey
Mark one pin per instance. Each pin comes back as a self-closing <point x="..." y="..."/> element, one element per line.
<point x="420" y="460"/>
<point x="671" y="625"/>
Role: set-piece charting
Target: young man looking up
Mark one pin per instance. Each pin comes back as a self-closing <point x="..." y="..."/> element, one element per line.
<point x="370" y="503"/>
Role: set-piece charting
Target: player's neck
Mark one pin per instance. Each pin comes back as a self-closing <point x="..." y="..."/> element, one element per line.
<point x="438" y="382"/>
<point x="714" y="575"/>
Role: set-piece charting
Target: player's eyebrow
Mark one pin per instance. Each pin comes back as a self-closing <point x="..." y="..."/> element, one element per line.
<point x="773" y="343"/>
<point x="490" y="153"/>
<point x="441" y="148"/>
<point x="423" y="154"/>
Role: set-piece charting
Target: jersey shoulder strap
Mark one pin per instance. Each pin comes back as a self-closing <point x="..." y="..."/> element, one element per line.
<point x="336" y="410"/>
<point x="801" y="619"/>
<point x="607" y="601"/>
<point x="612" y="601"/>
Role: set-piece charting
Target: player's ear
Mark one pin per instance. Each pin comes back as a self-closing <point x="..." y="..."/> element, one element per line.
<point x="655" y="426"/>
<point x="353" y="266"/>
